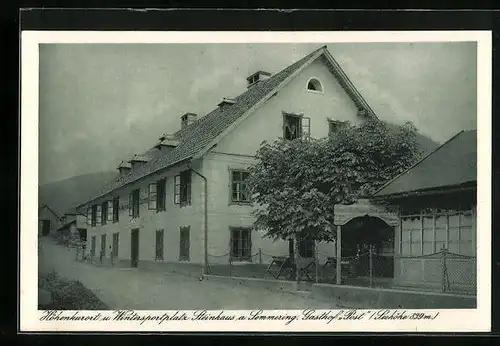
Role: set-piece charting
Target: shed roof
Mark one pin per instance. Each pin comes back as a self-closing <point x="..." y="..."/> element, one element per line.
<point x="452" y="164"/>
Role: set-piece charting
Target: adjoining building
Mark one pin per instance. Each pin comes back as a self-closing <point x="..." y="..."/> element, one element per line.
<point x="437" y="204"/>
<point x="48" y="220"/>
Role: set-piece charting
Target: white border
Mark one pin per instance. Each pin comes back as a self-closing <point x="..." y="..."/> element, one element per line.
<point x="448" y="321"/>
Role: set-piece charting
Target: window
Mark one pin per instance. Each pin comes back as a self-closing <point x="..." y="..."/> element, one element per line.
<point x="94" y="215"/>
<point x="152" y="196"/>
<point x="161" y="194"/>
<point x="314" y="85"/>
<point x="306" y="248"/>
<point x="335" y="125"/>
<point x="241" y="244"/>
<point x="240" y="191"/>
<point x="89" y="216"/>
<point x="104" y="209"/>
<point x="110" y="211"/>
<point x="177" y="189"/>
<point x="159" y="245"/>
<point x="115" y="244"/>
<point x="182" y="188"/>
<point x="427" y="233"/>
<point x="296" y="126"/>
<point x="92" y="246"/>
<point x="184" y="244"/>
<point x="116" y="208"/>
<point x="134" y="203"/>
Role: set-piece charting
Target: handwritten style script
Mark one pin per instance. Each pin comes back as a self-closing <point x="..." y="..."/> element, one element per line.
<point x="327" y="316"/>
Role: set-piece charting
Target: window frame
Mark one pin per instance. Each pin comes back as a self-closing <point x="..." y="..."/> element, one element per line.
<point x="115" y="244"/>
<point x="134" y="208"/>
<point x="182" y="188"/>
<point x="116" y="209"/>
<point x="104" y="213"/>
<point x="312" y="79"/>
<point x="299" y="129"/>
<point x="161" y="195"/>
<point x="231" y="185"/>
<point x="93" y="220"/>
<point x="183" y="256"/>
<point x="160" y="246"/>
<point x="152" y="196"/>
<point x="337" y="123"/>
<point x="241" y="256"/>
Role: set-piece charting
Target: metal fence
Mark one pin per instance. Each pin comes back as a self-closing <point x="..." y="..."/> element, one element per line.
<point x="441" y="271"/>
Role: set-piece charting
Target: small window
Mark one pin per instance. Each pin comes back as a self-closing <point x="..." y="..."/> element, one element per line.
<point x="116" y="207"/>
<point x="240" y="190"/>
<point x="296" y="126"/>
<point x="134" y="203"/>
<point x="94" y="215"/>
<point x="104" y="211"/>
<point x="184" y="244"/>
<point x="241" y="244"/>
<point x="335" y="125"/>
<point x="177" y="189"/>
<point x="182" y="188"/>
<point x="109" y="207"/>
<point x="152" y="196"/>
<point x="159" y="245"/>
<point x="314" y="85"/>
<point x="115" y="244"/>
<point x="89" y="216"/>
<point x="161" y="195"/>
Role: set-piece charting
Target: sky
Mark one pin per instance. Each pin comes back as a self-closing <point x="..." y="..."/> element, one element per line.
<point x="102" y="103"/>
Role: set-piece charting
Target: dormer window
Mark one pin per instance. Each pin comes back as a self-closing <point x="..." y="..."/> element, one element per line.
<point x="314" y="85"/>
<point x="257" y="77"/>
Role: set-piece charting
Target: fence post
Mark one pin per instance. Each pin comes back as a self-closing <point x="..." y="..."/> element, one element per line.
<point x="260" y="255"/>
<point x="445" y="271"/>
<point x="370" y="263"/>
<point x="230" y="264"/>
<point x="316" y="264"/>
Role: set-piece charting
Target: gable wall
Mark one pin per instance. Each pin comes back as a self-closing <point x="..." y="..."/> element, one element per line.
<point x="267" y="122"/>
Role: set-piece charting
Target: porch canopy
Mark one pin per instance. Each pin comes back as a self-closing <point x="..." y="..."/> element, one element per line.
<point x="363" y="207"/>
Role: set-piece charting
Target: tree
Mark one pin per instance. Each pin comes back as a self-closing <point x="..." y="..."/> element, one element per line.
<point x="296" y="183"/>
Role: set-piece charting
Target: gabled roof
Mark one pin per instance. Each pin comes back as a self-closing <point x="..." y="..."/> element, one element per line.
<point x="453" y="164"/>
<point x="200" y="136"/>
<point x="45" y="206"/>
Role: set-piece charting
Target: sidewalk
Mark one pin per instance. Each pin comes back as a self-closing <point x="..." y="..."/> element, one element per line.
<point x="127" y="288"/>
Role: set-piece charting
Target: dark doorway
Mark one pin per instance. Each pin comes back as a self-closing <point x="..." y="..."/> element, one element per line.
<point x="92" y="247"/>
<point x="357" y="237"/>
<point x="103" y="245"/>
<point x="45" y="227"/>
<point x="134" y="247"/>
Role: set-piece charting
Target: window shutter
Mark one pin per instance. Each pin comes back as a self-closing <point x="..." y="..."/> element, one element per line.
<point x="99" y="215"/>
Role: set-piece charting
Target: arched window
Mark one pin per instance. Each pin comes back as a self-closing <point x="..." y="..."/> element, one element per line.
<point x="314" y="85"/>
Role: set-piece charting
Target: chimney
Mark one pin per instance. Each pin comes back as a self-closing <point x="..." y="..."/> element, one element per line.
<point x="257" y="77"/>
<point x="124" y="168"/>
<point x="226" y="102"/>
<point x="187" y="119"/>
<point x="167" y="142"/>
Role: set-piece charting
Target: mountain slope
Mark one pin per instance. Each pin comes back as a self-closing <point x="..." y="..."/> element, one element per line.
<point x="66" y="194"/>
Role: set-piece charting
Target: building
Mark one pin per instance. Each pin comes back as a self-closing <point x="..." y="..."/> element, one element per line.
<point x="188" y="193"/>
<point x="74" y="223"/>
<point x="436" y="199"/>
<point x="48" y="220"/>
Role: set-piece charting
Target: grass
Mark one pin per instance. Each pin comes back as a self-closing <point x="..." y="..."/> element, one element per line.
<point x="68" y="295"/>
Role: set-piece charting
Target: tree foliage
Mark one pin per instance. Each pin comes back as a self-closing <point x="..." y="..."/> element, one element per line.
<point x="296" y="183"/>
